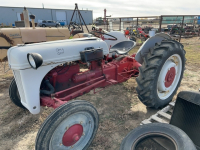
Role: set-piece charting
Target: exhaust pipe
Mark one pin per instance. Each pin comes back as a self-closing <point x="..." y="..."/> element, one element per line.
<point x="26" y="18"/>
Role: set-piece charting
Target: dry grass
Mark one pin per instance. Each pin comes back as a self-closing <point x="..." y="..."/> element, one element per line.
<point x="192" y="48"/>
<point x="118" y="106"/>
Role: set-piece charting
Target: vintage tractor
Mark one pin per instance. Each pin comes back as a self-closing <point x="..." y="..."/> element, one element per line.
<point x="13" y="36"/>
<point x="138" y="33"/>
<point x="52" y="79"/>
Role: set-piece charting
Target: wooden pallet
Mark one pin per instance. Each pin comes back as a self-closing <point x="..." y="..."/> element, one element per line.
<point x="162" y="116"/>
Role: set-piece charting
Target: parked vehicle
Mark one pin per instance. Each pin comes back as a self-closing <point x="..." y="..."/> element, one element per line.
<point x="48" y="23"/>
<point x="48" y="74"/>
<point x="139" y="33"/>
<point x="191" y="32"/>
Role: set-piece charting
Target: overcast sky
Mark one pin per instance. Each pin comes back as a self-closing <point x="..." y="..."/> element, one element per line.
<point x="117" y="8"/>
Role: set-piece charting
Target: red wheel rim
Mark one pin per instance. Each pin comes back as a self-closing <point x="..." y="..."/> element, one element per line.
<point x="72" y="135"/>
<point x="169" y="78"/>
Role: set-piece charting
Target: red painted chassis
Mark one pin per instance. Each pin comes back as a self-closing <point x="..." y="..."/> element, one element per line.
<point x="69" y="82"/>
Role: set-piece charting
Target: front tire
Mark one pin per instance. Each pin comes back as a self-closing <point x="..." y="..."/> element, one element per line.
<point x="157" y="136"/>
<point x="161" y="73"/>
<point x="72" y="126"/>
<point x="14" y="94"/>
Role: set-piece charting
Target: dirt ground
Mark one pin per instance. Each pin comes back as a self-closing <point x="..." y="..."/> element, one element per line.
<point x="118" y="106"/>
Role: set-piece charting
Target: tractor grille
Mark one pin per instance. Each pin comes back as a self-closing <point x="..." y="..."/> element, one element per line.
<point x="19" y="85"/>
<point x="186" y="115"/>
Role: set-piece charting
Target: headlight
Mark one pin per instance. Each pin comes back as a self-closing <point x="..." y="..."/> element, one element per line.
<point x="35" y="60"/>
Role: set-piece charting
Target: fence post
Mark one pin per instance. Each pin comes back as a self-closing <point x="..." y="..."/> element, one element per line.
<point x="120" y="24"/>
<point x="107" y="24"/>
<point x="137" y="21"/>
<point x="181" y="28"/>
<point x="160" y="23"/>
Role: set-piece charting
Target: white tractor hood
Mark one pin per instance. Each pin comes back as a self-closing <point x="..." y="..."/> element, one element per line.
<point x="53" y="52"/>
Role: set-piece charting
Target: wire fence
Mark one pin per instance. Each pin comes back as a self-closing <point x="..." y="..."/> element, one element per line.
<point x="177" y="26"/>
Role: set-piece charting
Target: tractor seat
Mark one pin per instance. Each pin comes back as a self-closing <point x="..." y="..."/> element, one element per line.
<point x="123" y="47"/>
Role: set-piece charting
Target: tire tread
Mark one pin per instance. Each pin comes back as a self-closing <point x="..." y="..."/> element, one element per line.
<point x="145" y="80"/>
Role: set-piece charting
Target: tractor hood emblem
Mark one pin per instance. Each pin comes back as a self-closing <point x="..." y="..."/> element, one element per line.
<point x="60" y="51"/>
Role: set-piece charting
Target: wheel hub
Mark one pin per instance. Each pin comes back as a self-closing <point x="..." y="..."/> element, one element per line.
<point x="169" y="78"/>
<point x="72" y="135"/>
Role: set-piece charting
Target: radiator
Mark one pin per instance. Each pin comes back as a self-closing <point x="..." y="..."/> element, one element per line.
<point x="19" y="83"/>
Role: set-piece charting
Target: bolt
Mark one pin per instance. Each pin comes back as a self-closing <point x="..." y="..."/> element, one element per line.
<point x="83" y="134"/>
<point x="61" y="144"/>
<point x="66" y="128"/>
<point x="76" y="138"/>
<point x="81" y="122"/>
<point x="72" y="146"/>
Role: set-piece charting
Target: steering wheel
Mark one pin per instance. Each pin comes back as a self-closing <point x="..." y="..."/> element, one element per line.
<point x="102" y="37"/>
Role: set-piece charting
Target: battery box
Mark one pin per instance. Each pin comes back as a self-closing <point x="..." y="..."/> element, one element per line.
<point x="91" y="54"/>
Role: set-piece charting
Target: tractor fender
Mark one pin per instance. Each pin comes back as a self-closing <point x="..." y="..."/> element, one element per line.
<point x="149" y="43"/>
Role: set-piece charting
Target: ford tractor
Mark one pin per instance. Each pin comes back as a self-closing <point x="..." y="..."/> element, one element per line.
<point x="48" y="74"/>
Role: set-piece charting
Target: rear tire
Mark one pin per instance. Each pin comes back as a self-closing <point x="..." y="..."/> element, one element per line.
<point x="14" y="94"/>
<point x="161" y="73"/>
<point x="176" y="138"/>
<point x="71" y="126"/>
